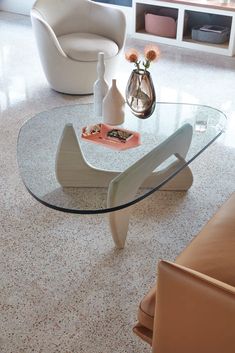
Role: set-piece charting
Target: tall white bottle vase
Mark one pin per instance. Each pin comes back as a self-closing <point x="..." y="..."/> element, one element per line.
<point x="113" y="106"/>
<point x="100" y="87"/>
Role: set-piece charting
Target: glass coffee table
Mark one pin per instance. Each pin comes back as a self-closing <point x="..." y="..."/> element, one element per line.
<point x="70" y="174"/>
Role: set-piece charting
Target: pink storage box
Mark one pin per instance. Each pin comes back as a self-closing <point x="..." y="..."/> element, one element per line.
<point x="162" y="26"/>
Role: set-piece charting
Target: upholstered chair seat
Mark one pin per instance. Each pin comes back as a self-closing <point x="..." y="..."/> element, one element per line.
<point x="86" y="46"/>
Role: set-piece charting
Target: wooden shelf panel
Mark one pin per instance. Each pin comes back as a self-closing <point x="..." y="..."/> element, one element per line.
<point x="142" y="31"/>
<point x="190" y="40"/>
<point x="206" y="4"/>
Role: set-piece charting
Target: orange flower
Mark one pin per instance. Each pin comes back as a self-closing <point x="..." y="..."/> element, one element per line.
<point x="151" y="53"/>
<point x="132" y="55"/>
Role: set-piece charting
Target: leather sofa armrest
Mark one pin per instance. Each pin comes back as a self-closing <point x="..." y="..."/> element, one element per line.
<point x="194" y="312"/>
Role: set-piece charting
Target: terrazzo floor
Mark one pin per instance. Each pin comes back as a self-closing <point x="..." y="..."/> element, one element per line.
<point x="64" y="288"/>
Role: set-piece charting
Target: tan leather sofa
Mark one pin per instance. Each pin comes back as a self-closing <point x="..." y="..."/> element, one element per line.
<point x="192" y="308"/>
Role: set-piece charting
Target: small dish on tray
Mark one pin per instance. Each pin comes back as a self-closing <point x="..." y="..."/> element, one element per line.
<point x="111" y="136"/>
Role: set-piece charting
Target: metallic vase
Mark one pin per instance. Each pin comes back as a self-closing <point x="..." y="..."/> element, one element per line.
<point x="140" y="94"/>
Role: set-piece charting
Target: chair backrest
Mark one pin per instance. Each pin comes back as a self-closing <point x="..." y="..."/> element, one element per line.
<point x="71" y="16"/>
<point x="65" y="16"/>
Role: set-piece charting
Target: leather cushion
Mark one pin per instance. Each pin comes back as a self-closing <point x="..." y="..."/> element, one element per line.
<point x="86" y="46"/>
<point x="212" y="253"/>
<point x="195" y="312"/>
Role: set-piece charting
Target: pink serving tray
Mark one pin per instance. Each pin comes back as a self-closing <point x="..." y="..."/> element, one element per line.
<point x="102" y="139"/>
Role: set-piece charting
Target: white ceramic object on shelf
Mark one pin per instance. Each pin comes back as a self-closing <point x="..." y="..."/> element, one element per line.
<point x="100" y="86"/>
<point x="113" y="106"/>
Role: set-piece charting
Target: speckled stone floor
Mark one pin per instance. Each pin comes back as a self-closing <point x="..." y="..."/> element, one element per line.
<point x="64" y="287"/>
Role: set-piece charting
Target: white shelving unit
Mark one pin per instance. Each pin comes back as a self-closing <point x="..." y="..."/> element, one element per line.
<point x="183" y="7"/>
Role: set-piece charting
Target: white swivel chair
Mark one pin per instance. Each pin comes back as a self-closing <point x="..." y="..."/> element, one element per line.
<point x="70" y="34"/>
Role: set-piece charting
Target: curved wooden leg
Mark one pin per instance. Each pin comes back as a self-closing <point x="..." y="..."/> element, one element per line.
<point x="72" y="170"/>
<point x="119" y="223"/>
<point x="123" y="188"/>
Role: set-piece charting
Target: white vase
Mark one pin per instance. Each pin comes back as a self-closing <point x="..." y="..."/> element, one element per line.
<point x="113" y="106"/>
<point x="100" y="87"/>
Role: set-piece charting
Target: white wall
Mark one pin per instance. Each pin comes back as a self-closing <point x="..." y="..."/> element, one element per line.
<point x="23" y="7"/>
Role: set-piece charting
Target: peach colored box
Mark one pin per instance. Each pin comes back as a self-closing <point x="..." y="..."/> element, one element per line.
<point x="162" y="26"/>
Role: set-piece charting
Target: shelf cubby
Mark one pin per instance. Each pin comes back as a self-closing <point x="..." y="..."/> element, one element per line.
<point x="189" y="13"/>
